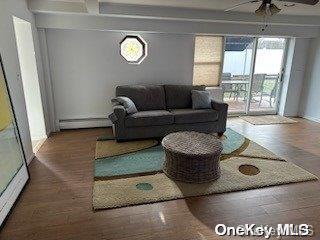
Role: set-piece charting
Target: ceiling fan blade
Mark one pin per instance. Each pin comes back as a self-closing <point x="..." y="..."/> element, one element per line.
<point x="240" y="4"/>
<point x="308" y="2"/>
<point x="267" y="10"/>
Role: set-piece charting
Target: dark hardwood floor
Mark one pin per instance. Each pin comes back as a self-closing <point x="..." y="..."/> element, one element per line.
<point x="56" y="204"/>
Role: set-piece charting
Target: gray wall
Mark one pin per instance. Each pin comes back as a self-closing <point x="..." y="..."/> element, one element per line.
<point x="86" y="67"/>
<point x="309" y="107"/>
<point x="294" y="76"/>
<point x="9" y="54"/>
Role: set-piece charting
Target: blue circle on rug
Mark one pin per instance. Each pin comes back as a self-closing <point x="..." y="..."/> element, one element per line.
<point x="231" y="141"/>
<point x="144" y="186"/>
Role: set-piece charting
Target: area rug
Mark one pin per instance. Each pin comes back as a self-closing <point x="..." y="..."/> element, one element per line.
<point x="136" y="178"/>
<point x="267" y="119"/>
<point x="112" y="148"/>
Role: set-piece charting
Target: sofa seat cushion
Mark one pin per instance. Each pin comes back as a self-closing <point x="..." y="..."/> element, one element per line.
<point x="194" y="115"/>
<point x="149" y="118"/>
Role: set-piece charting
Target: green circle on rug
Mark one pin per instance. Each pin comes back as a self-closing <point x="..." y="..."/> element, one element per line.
<point x="144" y="186"/>
<point x="249" y="170"/>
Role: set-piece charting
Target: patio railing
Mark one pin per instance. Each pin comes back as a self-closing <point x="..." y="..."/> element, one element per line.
<point x="264" y="88"/>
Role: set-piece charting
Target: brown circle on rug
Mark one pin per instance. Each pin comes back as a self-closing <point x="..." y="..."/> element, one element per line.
<point x="249" y="170"/>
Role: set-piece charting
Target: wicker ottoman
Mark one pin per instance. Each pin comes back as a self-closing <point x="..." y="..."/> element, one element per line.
<point x="192" y="157"/>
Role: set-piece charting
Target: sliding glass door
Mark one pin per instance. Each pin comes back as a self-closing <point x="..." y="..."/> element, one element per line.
<point x="236" y="72"/>
<point x="267" y="75"/>
<point x="251" y="75"/>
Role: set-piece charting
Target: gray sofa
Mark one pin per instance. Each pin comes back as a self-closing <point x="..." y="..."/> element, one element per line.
<point x="163" y="109"/>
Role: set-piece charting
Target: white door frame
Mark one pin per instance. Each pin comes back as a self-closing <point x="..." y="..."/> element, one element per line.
<point x="30" y="81"/>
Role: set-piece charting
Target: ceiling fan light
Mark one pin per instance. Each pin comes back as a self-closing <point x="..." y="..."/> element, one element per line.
<point x="274" y="9"/>
<point x="267" y="10"/>
<point x="261" y="11"/>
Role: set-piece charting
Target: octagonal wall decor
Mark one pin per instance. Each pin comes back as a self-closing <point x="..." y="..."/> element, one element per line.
<point x="133" y="48"/>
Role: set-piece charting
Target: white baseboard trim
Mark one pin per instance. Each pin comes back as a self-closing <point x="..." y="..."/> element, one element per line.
<point x="29" y="159"/>
<point x="311" y="118"/>
<point x="84" y="123"/>
<point x="38" y="145"/>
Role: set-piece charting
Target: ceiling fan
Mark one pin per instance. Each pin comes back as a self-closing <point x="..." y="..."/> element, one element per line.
<point x="267" y="8"/>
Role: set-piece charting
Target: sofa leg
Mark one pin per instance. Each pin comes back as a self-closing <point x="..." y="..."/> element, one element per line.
<point x="220" y="134"/>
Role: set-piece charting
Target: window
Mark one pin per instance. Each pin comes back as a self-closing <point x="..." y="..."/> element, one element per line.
<point x="133" y="49"/>
<point x="207" y="60"/>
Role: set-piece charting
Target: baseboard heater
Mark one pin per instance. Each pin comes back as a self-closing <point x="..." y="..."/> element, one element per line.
<point x="84" y="123"/>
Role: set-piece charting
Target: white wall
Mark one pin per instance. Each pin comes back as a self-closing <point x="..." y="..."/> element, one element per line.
<point x="293" y="78"/>
<point x="86" y="67"/>
<point x="309" y="107"/>
<point x="9" y="53"/>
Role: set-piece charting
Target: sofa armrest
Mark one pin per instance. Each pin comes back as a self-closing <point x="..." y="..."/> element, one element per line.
<point x="222" y="109"/>
<point x="118" y="114"/>
<point x="219" y="106"/>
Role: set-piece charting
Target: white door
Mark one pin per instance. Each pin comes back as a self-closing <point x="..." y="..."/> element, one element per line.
<point x="13" y="169"/>
<point x="266" y="76"/>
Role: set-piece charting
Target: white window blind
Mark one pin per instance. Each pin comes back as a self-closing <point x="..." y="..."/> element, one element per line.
<point x="207" y="60"/>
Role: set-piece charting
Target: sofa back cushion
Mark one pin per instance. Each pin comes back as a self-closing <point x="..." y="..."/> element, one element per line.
<point x="179" y="96"/>
<point x="145" y="97"/>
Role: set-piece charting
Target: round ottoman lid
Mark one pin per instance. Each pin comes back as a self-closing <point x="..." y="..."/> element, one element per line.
<point x="192" y="143"/>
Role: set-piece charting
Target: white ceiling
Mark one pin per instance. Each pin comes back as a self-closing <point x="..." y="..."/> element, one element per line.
<point x="298" y="9"/>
